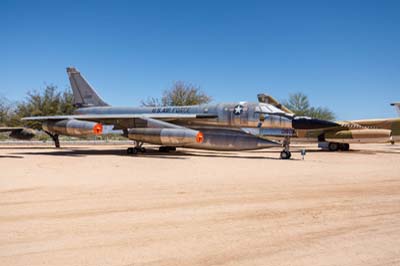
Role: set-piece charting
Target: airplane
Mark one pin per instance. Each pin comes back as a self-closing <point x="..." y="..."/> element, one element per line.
<point x="21" y="133"/>
<point x="346" y="132"/>
<point x="224" y="126"/>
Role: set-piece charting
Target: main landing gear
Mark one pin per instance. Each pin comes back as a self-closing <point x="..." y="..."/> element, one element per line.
<point x="333" y="146"/>
<point x="286" y="154"/>
<point x="55" y="138"/>
<point x="135" y="150"/>
<point x="139" y="148"/>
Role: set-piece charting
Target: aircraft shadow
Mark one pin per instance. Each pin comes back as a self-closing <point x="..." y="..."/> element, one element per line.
<point x="25" y="148"/>
<point x="11" y="156"/>
<point x="225" y="155"/>
<point x="150" y="153"/>
<point x="83" y="153"/>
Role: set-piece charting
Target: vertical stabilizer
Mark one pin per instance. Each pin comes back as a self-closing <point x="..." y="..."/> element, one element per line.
<point x="84" y="94"/>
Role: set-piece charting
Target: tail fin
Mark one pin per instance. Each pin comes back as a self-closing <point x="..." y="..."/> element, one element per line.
<point x="84" y="94"/>
<point x="397" y="105"/>
<point x="264" y="98"/>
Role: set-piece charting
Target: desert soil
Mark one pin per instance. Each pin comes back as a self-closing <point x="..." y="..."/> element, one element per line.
<point x="85" y="205"/>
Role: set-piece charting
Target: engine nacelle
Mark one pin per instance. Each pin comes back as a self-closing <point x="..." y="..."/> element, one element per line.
<point x="166" y="136"/>
<point x="73" y="127"/>
<point x="231" y="140"/>
<point x="359" y="136"/>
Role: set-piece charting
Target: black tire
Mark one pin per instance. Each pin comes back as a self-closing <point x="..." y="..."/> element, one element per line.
<point x="346" y="147"/>
<point x="333" y="146"/>
<point x="131" y="151"/>
<point x="142" y="150"/>
<point x="285" y="155"/>
<point x="162" y="149"/>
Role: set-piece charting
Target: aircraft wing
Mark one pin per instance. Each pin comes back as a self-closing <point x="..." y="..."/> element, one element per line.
<point x="119" y="116"/>
<point x="7" y="129"/>
<point x="122" y="121"/>
<point x="99" y="117"/>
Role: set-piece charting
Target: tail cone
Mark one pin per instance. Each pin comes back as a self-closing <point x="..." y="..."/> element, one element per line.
<point x="199" y="137"/>
<point x="98" y="129"/>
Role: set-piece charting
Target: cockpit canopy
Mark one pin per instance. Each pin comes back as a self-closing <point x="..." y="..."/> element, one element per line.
<point x="265" y="108"/>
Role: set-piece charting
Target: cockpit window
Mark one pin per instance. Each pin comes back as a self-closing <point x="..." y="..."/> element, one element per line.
<point x="267" y="108"/>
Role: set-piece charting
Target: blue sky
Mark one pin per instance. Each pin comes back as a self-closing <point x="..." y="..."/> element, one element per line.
<point x="344" y="55"/>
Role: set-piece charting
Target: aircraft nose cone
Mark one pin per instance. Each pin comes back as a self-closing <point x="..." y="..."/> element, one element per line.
<point x="312" y="123"/>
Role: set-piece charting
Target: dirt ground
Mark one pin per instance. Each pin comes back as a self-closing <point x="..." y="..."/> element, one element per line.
<point x="86" y="205"/>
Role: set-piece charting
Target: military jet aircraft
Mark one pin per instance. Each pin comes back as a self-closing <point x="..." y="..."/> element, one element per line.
<point x="21" y="133"/>
<point x="225" y="126"/>
<point x="346" y="132"/>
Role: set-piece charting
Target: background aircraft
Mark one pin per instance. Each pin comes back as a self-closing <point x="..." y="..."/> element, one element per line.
<point x="227" y="126"/>
<point x="21" y="133"/>
<point x="346" y="132"/>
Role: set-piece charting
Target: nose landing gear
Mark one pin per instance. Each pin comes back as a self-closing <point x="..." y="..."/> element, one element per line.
<point x="55" y="138"/>
<point x="286" y="154"/>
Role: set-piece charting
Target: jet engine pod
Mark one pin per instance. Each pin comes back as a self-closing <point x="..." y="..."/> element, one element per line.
<point x="166" y="136"/>
<point x="359" y="136"/>
<point x="73" y="127"/>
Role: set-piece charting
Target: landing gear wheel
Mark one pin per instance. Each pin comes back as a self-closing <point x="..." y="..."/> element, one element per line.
<point x="135" y="150"/>
<point x="333" y="146"/>
<point x="163" y="149"/>
<point x="285" y="155"/>
<point x="55" y="138"/>
<point x="346" y="147"/>
<point x="132" y="150"/>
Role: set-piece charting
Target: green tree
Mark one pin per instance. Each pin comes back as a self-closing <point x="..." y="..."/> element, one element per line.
<point x="180" y="94"/>
<point x="5" y="109"/>
<point x="45" y="103"/>
<point x="300" y="105"/>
